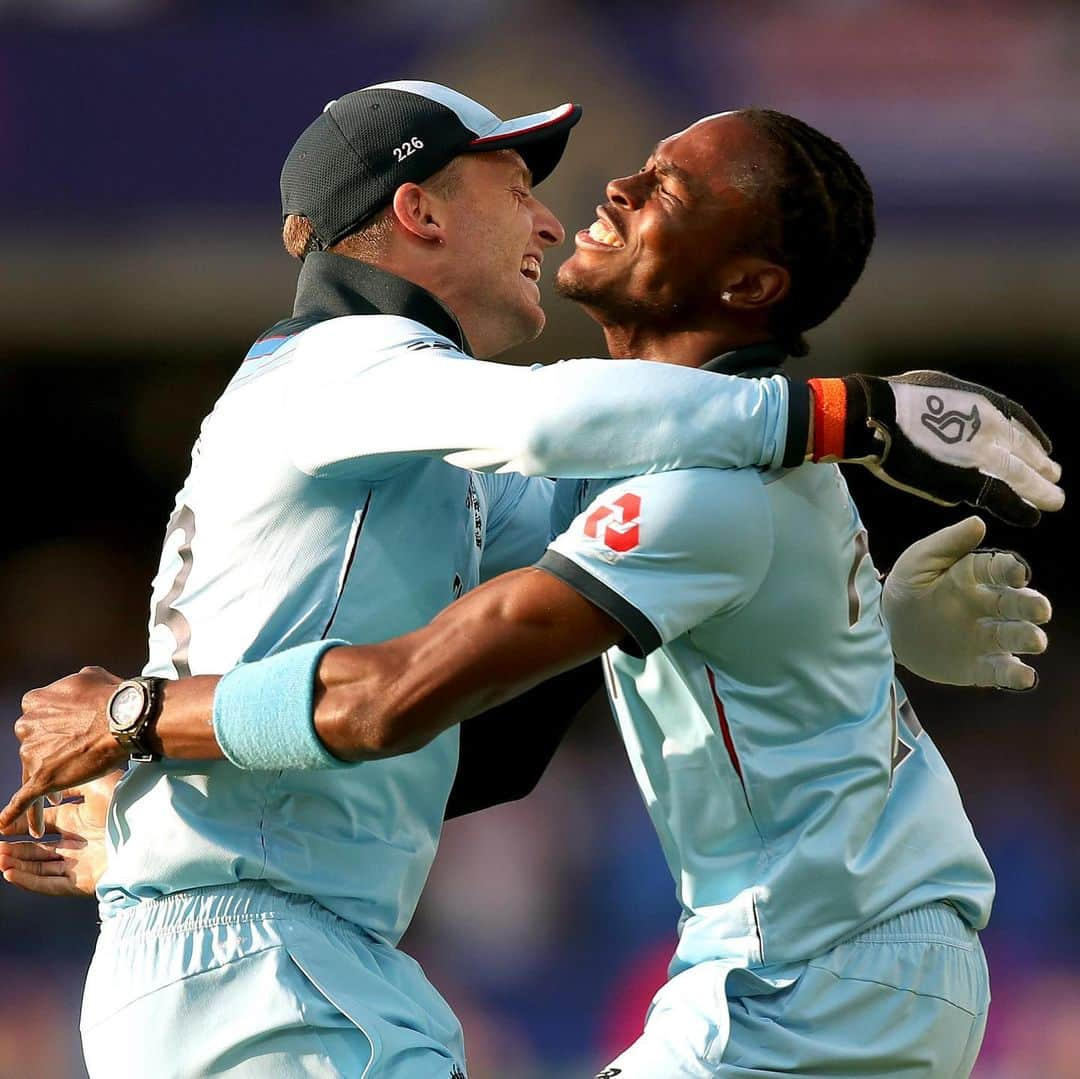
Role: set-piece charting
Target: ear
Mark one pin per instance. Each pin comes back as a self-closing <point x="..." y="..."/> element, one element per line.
<point x="754" y="284"/>
<point x="419" y="213"/>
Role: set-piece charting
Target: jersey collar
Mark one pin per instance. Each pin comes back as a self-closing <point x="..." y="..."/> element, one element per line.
<point x="756" y="360"/>
<point x="333" y="285"/>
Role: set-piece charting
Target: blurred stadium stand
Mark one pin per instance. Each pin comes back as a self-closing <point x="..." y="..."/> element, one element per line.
<point x="140" y="142"/>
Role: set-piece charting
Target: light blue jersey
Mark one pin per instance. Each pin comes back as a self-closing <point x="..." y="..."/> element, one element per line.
<point x="794" y="793"/>
<point x="319" y="505"/>
<point x="261" y="556"/>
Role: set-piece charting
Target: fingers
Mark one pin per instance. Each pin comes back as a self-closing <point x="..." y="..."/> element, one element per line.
<point x="994" y="636"/>
<point x="1005" y="604"/>
<point x="53" y="867"/>
<point x="1034" y="479"/>
<point x="995" y="567"/>
<point x="929" y="558"/>
<point x="23" y="854"/>
<point x="1002" y="604"/>
<point x="24" y="802"/>
<point x="1023" y="421"/>
<point x="950" y="544"/>
<point x="1005" y="672"/>
<point x="53" y="883"/>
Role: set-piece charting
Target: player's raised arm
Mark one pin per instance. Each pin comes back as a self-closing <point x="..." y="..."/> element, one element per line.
<point x="598" y="418"/>
<point x="578" y="418"/>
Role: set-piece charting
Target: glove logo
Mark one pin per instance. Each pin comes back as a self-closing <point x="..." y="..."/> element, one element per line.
<point x="950" y="426"/>
<point x="621" y="531"/>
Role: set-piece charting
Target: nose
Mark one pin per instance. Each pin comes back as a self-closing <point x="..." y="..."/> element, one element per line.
<point x="625" y="192"/>
<point x="546" y="226"/>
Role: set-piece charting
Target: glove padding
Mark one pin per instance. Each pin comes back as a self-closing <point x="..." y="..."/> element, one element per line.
<point x="941" y="438"/>
<point x="960" y="616"/>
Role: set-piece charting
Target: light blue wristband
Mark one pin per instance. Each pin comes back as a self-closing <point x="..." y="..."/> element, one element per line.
<point x="264" y="712"/>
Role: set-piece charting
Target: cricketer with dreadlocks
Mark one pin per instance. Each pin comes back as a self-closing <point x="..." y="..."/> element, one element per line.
<point x="831" y="885"/>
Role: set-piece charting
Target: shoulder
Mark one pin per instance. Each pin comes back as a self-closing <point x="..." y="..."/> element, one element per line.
<point x="354" y="336"/>
<point x="696" y="502"/>
<point x="718" y="520"/>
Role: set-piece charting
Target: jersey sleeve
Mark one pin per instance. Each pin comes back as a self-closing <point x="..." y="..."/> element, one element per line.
<point x="664" y="552"/>
<point x="371" y="392"/>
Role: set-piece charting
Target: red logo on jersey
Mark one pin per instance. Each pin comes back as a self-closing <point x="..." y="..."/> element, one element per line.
<point x="620" y="520"/>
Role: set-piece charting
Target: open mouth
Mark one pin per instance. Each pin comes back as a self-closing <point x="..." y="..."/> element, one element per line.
<point x="602" y="233"/>
<point x="530" y="268"/>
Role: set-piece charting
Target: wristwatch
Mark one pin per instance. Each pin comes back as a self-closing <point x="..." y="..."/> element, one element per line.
<point x="132" y="708"/>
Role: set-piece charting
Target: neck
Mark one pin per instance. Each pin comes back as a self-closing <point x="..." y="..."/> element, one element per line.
<point x="445" y="281"/>
<point x="687" y="348"/>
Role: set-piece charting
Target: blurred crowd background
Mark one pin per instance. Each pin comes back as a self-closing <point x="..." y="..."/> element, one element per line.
<point x="140" y="144"/>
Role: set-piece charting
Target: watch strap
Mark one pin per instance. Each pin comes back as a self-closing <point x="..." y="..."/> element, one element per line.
<point x="133" y="739"/>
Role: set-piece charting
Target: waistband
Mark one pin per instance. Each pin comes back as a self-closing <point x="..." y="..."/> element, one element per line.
<point x="232" y="904"/>
<point x="935" y="923"/>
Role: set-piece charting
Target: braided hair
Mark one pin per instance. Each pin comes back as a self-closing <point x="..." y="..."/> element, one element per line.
<point x="822" y="225"/>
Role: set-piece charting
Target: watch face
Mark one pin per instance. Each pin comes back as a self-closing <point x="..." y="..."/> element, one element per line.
<point x="126" y="708"/>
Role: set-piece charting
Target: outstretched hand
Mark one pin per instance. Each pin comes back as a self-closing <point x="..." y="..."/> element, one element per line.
<point x="72" y="865"/>
<point x="941" y="438"/>
<point x="963" y="616"/>
<point x="64" y="741"/>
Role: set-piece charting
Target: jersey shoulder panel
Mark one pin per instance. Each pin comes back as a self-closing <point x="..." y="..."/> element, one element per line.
<point x="669" y="549"/>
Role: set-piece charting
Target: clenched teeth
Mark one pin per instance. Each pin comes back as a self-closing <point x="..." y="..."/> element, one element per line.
<point x="603" y="233"/>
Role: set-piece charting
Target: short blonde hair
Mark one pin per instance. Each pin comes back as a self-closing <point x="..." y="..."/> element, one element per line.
<point x="369" y="241"/>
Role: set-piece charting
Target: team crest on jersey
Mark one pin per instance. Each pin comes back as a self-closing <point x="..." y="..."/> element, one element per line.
<point x="616" y="526"/>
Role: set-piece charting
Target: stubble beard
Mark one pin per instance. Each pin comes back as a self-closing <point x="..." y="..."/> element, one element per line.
<point x="606" y="305"/>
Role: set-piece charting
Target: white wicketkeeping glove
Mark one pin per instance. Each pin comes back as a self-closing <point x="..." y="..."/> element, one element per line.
<point x="940" y="438"/>
<point x="961" y="616"/>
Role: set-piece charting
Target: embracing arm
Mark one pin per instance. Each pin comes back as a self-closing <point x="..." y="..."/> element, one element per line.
<point x="487" y="648"/>
<point x="956" y="615"/>
<point x="601" y="418"/>
<point x="330" y="704"/>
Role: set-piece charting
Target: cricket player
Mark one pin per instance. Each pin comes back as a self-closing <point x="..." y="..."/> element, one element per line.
<point x="219" y="876"/>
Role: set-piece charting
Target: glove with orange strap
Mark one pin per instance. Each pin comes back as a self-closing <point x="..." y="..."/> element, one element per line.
<point x="940" y="438"/>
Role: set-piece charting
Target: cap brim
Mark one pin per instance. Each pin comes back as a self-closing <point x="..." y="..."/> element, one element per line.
<point x="540" y="138"/>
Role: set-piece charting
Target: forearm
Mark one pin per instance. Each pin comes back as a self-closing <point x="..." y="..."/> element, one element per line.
<point x="487" y="648"/>
<point x="573" y="419"/>
<point x="598" y="418"/>
<point x="184" y="729"/>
